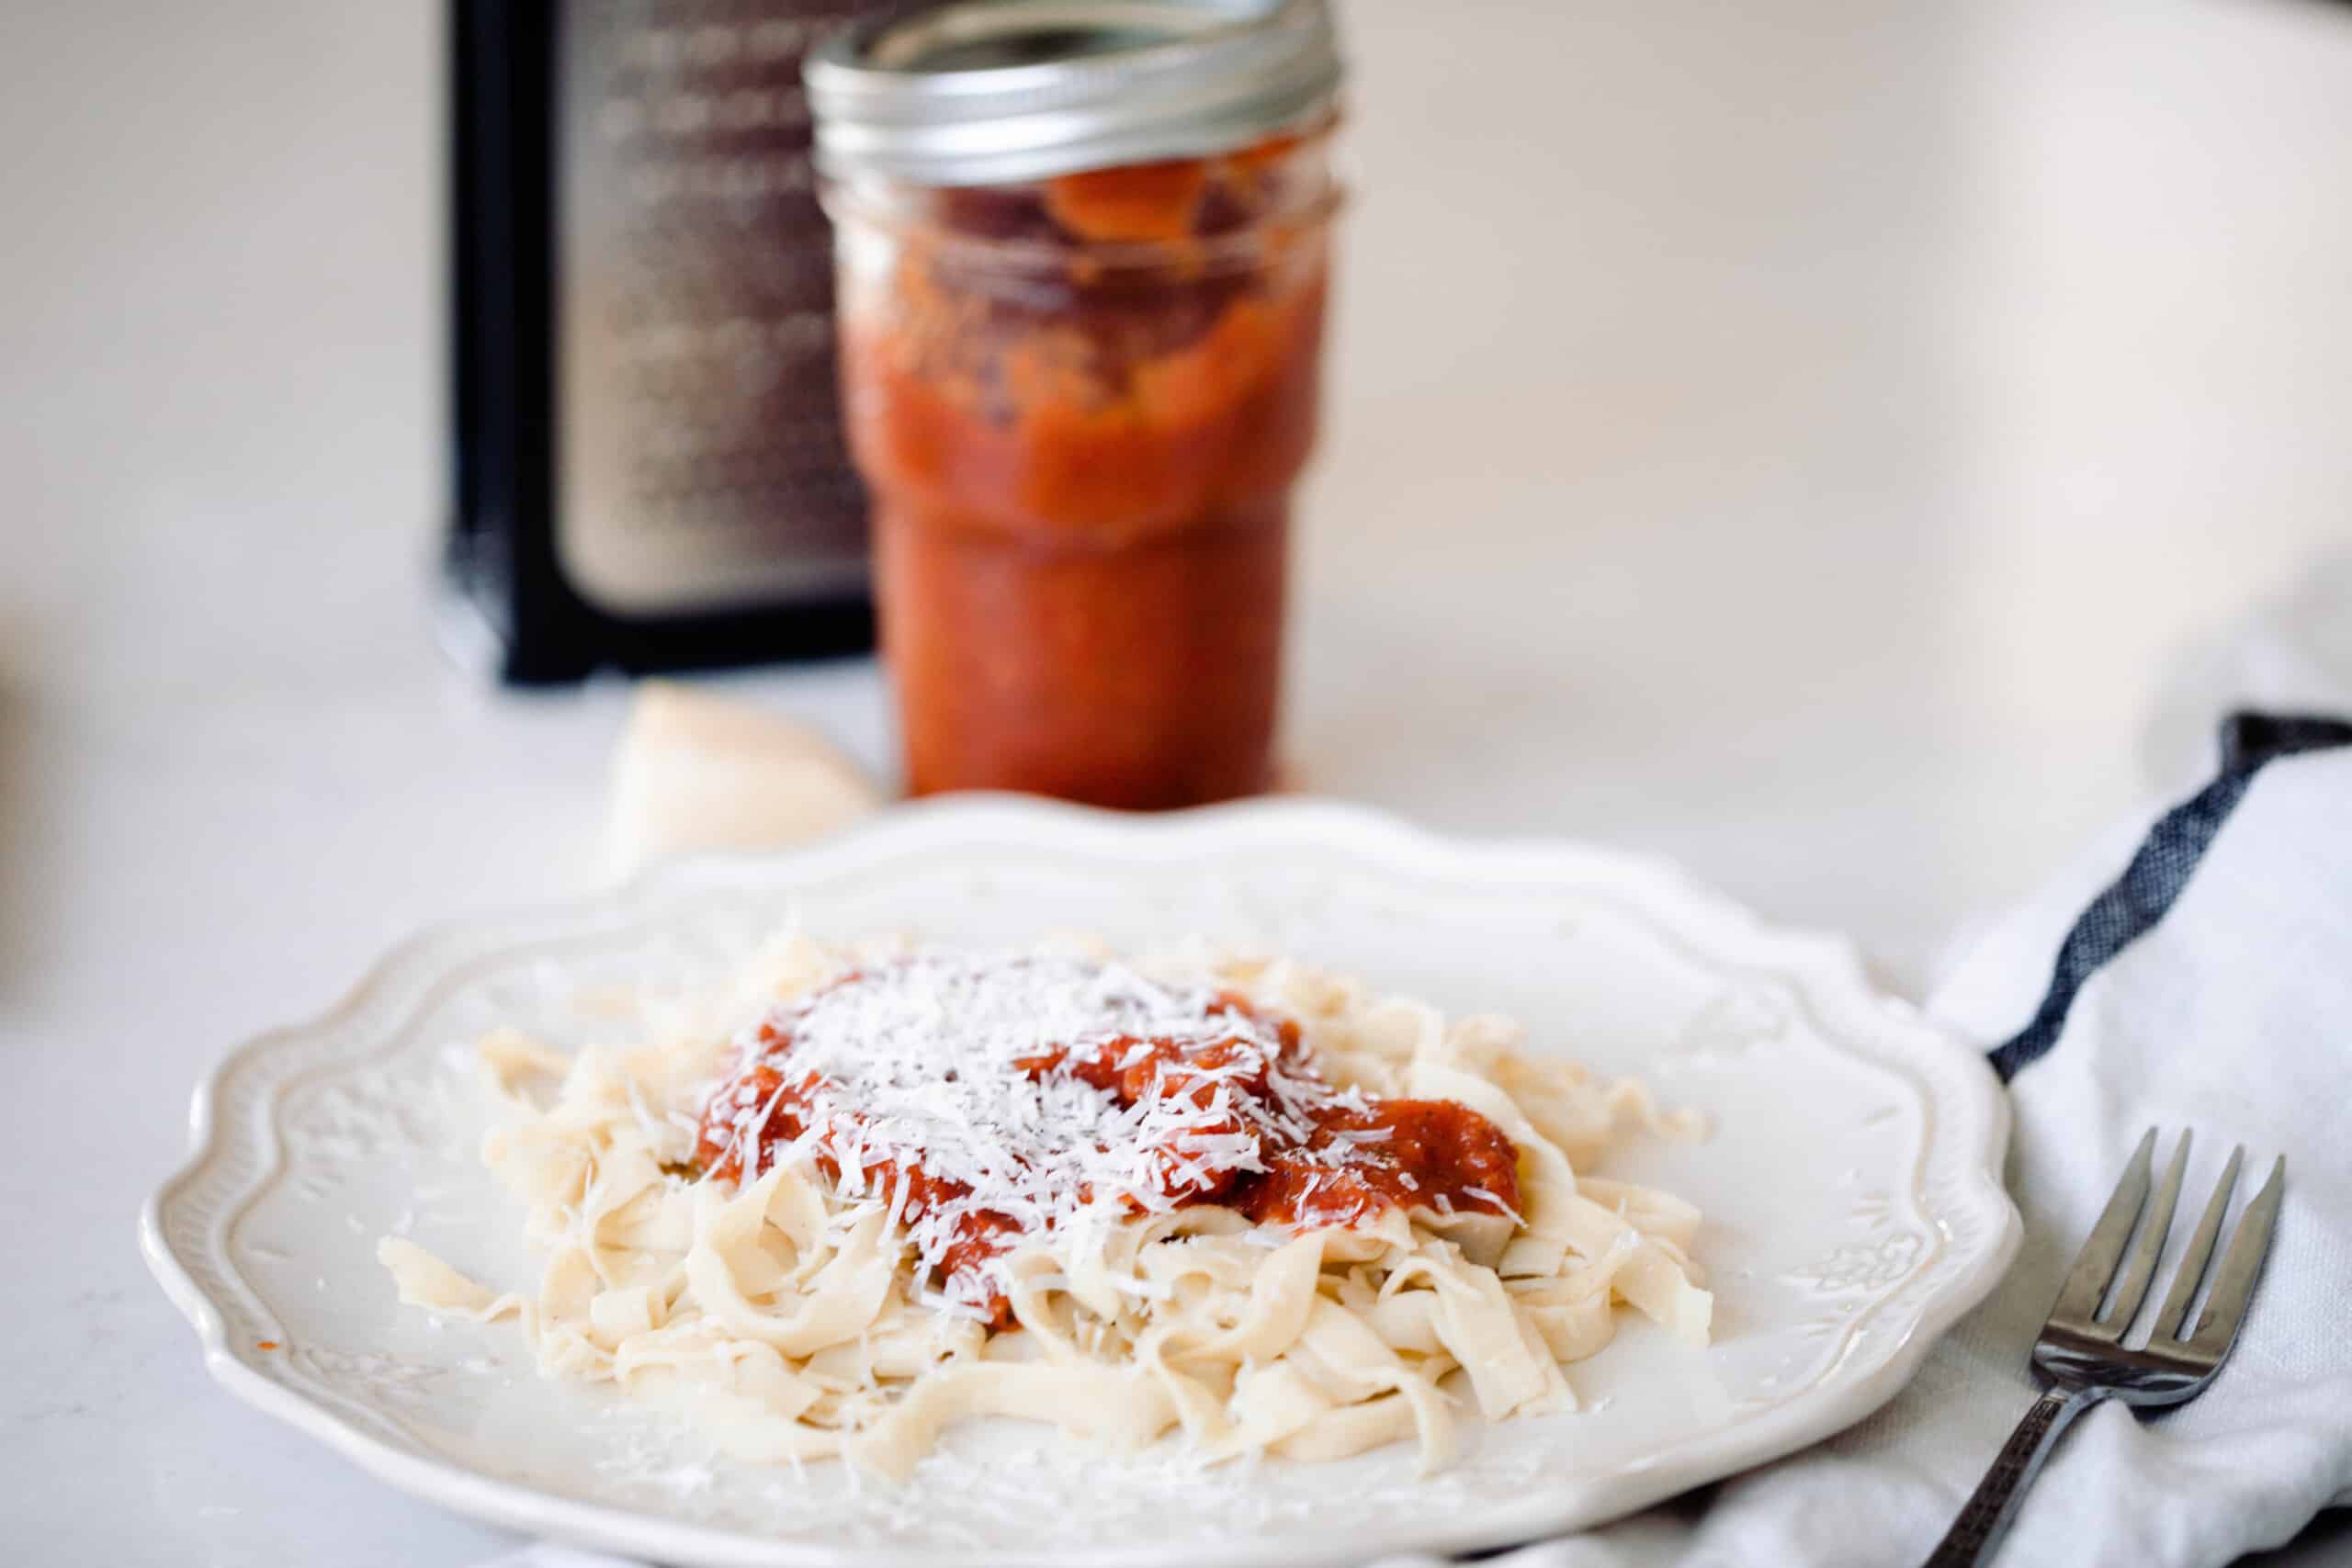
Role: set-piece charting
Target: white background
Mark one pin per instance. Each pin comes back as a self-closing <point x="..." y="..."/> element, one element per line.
<point x="1806" y="439"/>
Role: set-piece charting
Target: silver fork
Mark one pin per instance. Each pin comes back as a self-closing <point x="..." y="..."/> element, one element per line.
<point x="2080" y="1356"/>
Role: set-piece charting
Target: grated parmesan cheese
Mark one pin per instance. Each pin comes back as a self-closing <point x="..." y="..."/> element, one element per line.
<point x="917" y="1063"/>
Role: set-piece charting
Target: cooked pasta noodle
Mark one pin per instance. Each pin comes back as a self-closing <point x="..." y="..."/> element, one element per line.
<point x="1237" y="1198"/>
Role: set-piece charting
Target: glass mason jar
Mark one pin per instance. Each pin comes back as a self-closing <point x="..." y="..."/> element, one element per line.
<point x="1079" y="354"/>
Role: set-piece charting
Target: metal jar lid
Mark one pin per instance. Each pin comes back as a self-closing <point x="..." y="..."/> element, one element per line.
<point x="990" y="92"/>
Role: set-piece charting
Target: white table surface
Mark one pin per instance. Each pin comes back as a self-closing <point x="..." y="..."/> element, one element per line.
<point x="1797" y="438"/>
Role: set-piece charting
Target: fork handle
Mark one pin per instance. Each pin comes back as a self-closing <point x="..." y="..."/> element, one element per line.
<point x="1984" y="1518"/>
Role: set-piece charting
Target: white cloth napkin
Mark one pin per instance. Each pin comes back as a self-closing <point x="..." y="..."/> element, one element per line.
<point x="2232" y="1014"/>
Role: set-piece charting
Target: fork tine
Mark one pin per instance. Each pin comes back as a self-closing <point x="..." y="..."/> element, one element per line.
<point x="2241" y="1266"/>
<point x="2172" y="1318"/>
<point x="2086" y="1281"/>
<point x="2141" y="1267"/>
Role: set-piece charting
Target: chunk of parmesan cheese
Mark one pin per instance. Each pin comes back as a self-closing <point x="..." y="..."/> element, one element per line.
<point x="699" y="772"/>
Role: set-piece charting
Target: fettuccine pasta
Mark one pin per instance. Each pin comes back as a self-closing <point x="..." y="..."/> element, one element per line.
<point x="1231" y="1198"/>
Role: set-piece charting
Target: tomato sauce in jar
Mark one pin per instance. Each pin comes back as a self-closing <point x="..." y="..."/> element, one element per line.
<point x="1079" y="398"/>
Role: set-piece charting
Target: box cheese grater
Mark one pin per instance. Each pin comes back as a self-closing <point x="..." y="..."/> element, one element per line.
<point x="648" y="466"/>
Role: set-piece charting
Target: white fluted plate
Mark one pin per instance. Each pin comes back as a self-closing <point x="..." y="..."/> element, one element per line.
<point x="1851" y="1186"/>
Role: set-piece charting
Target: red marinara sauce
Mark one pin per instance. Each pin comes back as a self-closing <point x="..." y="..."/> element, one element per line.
<point x="1261" y="1132"/>
<point x="1403" y="1153"/>
<point x="1079" y="405"/>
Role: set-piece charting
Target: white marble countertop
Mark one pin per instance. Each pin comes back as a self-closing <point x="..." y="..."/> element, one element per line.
<point x="1799" y="439"/>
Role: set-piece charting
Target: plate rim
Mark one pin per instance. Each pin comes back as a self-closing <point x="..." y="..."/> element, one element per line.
<point x="1828" y="964"/>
